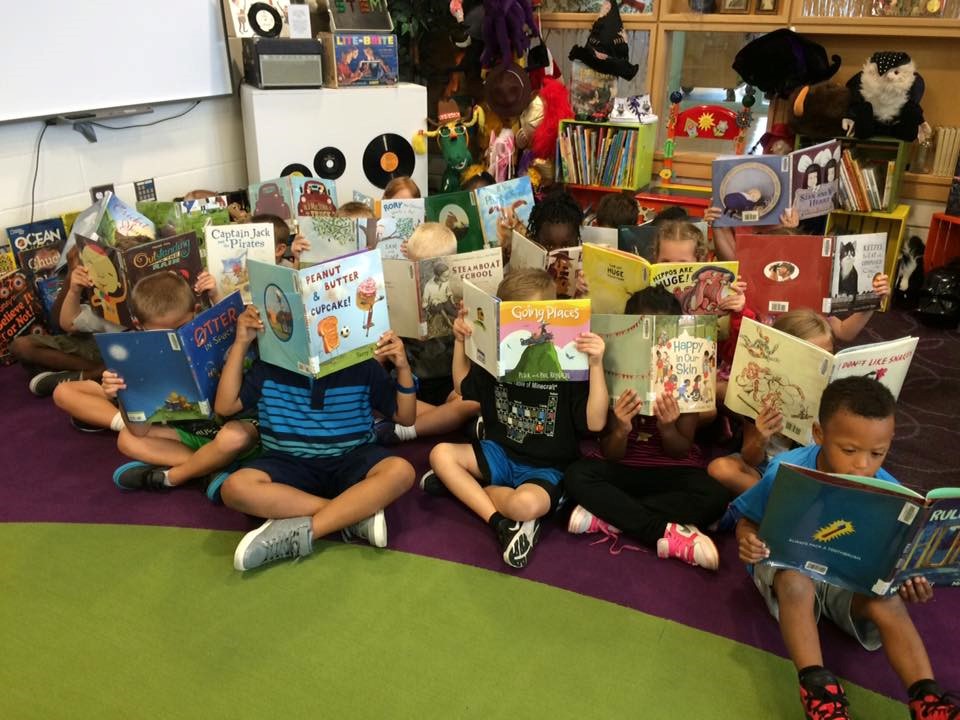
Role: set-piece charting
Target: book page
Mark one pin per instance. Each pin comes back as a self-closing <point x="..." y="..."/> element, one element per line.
<point x="629" y="342"/>
<point x="275" y="293"/>
<point x="563" y="265"/>
<point x="527" y="254"/>
<point x="329" y="237"/>
<point x="503" y="208"/>
<point x="887" y="362"/>
<point x="402" y="284"/>
<point x="538" y="340"/>
<point x="612" y="277"/>
<point x="228" y="249"/>
<point x="698" y="286"/>
<point x="483" y="315"/>
<point x="857" y="260"/>
<point x="599" y="235"/>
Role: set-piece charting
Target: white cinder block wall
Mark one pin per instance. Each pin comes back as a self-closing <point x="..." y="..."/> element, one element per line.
<point x="201" y="150"/>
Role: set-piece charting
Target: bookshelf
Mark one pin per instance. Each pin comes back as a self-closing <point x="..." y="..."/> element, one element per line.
<point x="617" y="156"/>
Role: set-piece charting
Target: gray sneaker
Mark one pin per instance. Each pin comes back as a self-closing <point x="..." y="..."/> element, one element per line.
<point x="372" y="529"/>
<point x="274" y="540"/>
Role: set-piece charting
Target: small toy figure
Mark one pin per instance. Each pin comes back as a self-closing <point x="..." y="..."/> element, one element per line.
<point x="885" y="99"/>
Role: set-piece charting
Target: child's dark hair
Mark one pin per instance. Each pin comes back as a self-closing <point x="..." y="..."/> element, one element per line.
<point x="479" y="180"/>
<point x="160" y="295"/>
<point x="671" y="212"/>
<point x="616" y="209"/>
<point x="653" y="300"/>
<point x="281" y="231"/>
<point x="558" y="207"/>
<point x="859" y="395"/>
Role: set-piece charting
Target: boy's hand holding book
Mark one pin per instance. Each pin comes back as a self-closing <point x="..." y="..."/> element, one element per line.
<point x="751" y="548"/>
<point x="248" y="325"/>
<point x="591" y="345"/>
<point x="626" y="409"/>
<point x="666" y="410"/>
<point x="461" y="326"/>
<point x="298" y="247"/>
<point x="881" y="285"/>
<point x="916" y="590"/>
<point x="737" y="301"/>
<point x="80" y="280"/>
<point x="390" y="347"/>
<point x="206" y="283"/>
<point x="769" y="422"/>
<point x="111" y="384"/>
<point x="790" y="218"/>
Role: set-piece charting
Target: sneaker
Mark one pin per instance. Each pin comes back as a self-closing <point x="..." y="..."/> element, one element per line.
<point x="213" y="487"/>
<point x="823" y="697"/>
<point x="85" y="427"/>
<point x="274" y="540"/>
<point x="517" y="540"/>
<point x="385" y="431"/>
<point x="475" y="429"/>
<point x="935" y="707"/>
<point x="686" y="543"/>
<point x="431" y="485"/>
<point x="42" y="384"/>
<point x="372" y="529"/>
<point x="582" y="521"/>
<point x="139" y="476"/>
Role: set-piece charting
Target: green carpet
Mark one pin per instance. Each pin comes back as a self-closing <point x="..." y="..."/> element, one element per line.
<point x="147" y="622"/>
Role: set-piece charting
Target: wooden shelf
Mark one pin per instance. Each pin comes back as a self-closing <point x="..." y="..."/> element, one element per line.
<point x="566" y="20"/>
<point x="906" y="27"/>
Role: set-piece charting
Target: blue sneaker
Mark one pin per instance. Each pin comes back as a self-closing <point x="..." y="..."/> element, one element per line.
<point x="140" y="476"/>
<point x="213" y="487"/>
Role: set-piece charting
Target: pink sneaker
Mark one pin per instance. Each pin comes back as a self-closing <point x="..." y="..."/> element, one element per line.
<point x="687" y="543"/>
<point x="582" y="521"/>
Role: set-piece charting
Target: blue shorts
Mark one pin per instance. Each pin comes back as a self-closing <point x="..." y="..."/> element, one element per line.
<point x="498" y="469"/>
<point x="324" y="477"/>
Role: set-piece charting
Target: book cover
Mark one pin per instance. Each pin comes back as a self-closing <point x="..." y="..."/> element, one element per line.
<point x="751" y="190"/>
<point x="652" y="354"/>
<point x="162" y="214"/>
<point x="120" y="225"/>
<point x="613" y="276"/>
<point x="35" y="235"/>
<point x="48" y="288"/>
<point x="815" y="177"/>
<point x="8" y="262"/>
<point x="887" y="362"/>
<point x="858" y="259"/>
<point x="197" y="223"/>
<point x="311" y="196"/>
<point x="208" y="204"/>
<point x="20" y="312"/>
<point x="322" y="318"/>
<point x="172" y="375"/>
<point x="698" y="286"/>
<point x="935" y="549"/>
<point x="41" y="262"/>
<point x="108" y="295"/>
<point x="562" y="264"/>
<point x="458" y="212"/>
<point x="180" y="254"/>
<point x="527" y="341"/>
<point x="786" y="272"/>
<point x="272" y="197"/>
<point x="398" y="219"/>
<point x="228" y="249"/>
<point x="329" y="237"/>
<point x="600" y="235"/>
<point x="503" y="208"/>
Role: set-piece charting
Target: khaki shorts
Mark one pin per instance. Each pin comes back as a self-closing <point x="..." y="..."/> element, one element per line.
<point x="79" y="344"/>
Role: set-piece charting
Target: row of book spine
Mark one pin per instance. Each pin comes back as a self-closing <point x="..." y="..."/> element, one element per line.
<point x="599" y="155"/>
<point x="865" y="187"/>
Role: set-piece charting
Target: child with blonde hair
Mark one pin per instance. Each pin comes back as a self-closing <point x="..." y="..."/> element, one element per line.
<point x="401" y="188"/>
<point x="357" y="210"/>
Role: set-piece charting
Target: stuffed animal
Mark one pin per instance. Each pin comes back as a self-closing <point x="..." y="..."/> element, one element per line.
<point x="885" y="98"/>
<point x="910" y="273"/>
<point x="454" y="140"/>
<point x="817" y="111"/>
<point x="505" y="24"/>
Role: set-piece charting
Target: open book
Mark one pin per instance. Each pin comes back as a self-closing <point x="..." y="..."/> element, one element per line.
<point x="504" y="207"/>
<point x="614" y="275"/>
<point x="329" y="237"/>
<point x="458" y="212"/>
<point x="771" y="367"/>
<point x="172" y="374"/>
<point x="865" y="534"/>
<point x="829" y="274"/>
<point x="228" y="249"/>
<point x="652" y="354"/>
<point x="322" y="318"/>
<point x="425" y="295"/>
<point x="526" y="341"/>
<point x="562" y="264"/>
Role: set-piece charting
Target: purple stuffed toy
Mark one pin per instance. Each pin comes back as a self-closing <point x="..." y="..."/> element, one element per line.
<point x="504" y="30"/>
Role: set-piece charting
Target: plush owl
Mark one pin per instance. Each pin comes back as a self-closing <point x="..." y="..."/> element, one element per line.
<point x="885" y="98"/>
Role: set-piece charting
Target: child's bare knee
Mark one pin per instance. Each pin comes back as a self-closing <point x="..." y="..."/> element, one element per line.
<point x="528" y="506"/>
<point x="441" y="453"/>
<point x="22" y="348"/>
<point x="720" y="468"/>
<point x="235" y="438"/>
<point x="793" y="588"/>
<point x="881" y="610"/>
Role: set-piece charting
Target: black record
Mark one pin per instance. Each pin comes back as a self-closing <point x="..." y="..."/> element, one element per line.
<point x="257" y="21"/>
<point x="329" y="163"/>
<point x="296" y="169"/>
<point x="388" y="156"/>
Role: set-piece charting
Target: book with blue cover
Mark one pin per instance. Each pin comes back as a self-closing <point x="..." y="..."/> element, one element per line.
<point x="172" y="374"/>
<point x="36" y="235"/>
<point x="750" y="190"/>
<point x="864" y="534"/>
<point x="322" y="318"/>
<point x="503" y="208"/>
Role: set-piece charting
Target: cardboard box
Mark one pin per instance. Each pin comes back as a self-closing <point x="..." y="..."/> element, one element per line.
<point x="359" y="59"/>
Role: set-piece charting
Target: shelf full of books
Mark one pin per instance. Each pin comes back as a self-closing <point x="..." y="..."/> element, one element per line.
<point x="616" y="155"/>
<point x="870" y="172"/>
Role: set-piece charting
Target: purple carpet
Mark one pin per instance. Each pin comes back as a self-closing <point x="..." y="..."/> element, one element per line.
<point x="52" y="473"/>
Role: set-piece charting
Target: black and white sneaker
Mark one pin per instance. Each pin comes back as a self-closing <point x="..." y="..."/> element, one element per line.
<point x="43" y="384"/>
<point x="517" y="540"/>
<point x="432" y="485"/>
<point x="140" y="476"/>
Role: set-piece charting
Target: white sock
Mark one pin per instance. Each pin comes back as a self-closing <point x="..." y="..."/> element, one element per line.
<point x="166" y="478"/>
<point x="405" y="432"/>
<point x="117" y="423"/>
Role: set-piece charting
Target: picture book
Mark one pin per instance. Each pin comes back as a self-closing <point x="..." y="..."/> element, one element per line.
<point x="229" y="247"/>
<point x="533" y="341"/>
<point x="41" y="262"/>
<point x="119" y="225"/>
<point x="614" y="275"/>
<point x="322" y="318"/>
<point x="562" y="264"/>
<point x="48" y="288"/>
<point x="503" y="208"/>
<point x="272" y="197"/>
<point x="311" y="196"/>
<point x="211" y="203"/>
<point x="8" y="262"/>
<point x="398" y="219"/>
<point x="815" y="178"/>
<point x="858" y="259"/>
<point x="864" y="534"/>
<point x="653" y="354"/>
<point x="20" y="311"/>
<point x="599" y="235"/>
<point x="35" y="235"/>
<point x="751" y="189"/>
<point x="172" y="375"/>
<point x="457" y="211"/>
<point x="771" y="367"/>
<point x="329" y="237"/>
<point x="163" y="214"/>
<point x="180" y="253"/>
<point x="424" y="295"/>
<point x="640" y="239"/>
<point x="197" y="223"/>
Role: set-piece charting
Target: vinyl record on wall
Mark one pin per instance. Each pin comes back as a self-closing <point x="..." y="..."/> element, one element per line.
<point x="386" y="157"/>
<point x="296" y="169"/>
<point x="264" y="20"/>
<point x="329" y="163"/>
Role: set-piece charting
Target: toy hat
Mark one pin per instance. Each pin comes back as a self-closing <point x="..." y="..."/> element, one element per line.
<point x="780" y="131"/>
<point x="781" y="61"/>
<point x="447" y="111"/>
<point x="606" y="50"/>
<point x="507" y="90"/>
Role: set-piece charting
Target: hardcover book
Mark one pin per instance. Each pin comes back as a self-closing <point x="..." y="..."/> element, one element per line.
<point x="773" y="368"/>
<point x="503" y="208"/>
<point x="41" y="262"/>
<point x="119" y="225"/>
<point x="425" y="295"/>
<point x="857" y="260"/>
<point x="653" y="354"/>
<point x="864" y="534"/>
<point x="322" y="318"/>
<point x="751" y="190"/>
<point x="815" y="178"/>
<point x="329" y="237"/>
<point x="614" y="275"/>
<point x="172" y="375"/>
<point x="458" y="212"/>
<point x="35" y="235"/>
<point x="272" y="197"/>
<point x="20" y="312"/>
<point x="526" y="341"/>
<point x="229" y="247"/>
<point x="312" y="196"/>
<point x="398" y="220"/>
<point x="562" y="264"/>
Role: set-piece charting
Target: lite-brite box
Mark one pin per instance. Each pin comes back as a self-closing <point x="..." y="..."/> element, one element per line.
<point x="359" y="59"/>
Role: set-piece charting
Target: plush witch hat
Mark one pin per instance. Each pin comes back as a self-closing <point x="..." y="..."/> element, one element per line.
<point x="606" y="50"/>
<point x="781" y="61"/>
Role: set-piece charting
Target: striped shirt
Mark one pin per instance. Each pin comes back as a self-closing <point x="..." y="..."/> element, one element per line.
<point x="323" y="417"/>
<point x="645" y="448"/>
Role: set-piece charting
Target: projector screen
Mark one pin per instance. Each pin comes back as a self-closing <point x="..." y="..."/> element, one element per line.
<point x="70" y="56"/>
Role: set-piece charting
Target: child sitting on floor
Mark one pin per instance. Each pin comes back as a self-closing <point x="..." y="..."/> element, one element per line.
<point x="853" y="435"/>
<point x="645" y="476"/>
<point x="320" y="470"/>
<point x="512" y="478"/>
<point x="555" y="221"/>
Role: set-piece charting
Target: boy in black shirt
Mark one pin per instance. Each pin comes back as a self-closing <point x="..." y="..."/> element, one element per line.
<point x="511" y="479"/>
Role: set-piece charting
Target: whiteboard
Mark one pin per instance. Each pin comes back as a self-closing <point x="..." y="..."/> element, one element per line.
<point x="69" y="56"/>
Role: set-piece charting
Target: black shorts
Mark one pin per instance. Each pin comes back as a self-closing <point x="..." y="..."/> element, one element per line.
<point x="324" y="477"/>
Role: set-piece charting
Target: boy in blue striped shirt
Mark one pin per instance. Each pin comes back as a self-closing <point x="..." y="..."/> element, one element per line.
<point x="320" y="470"/>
